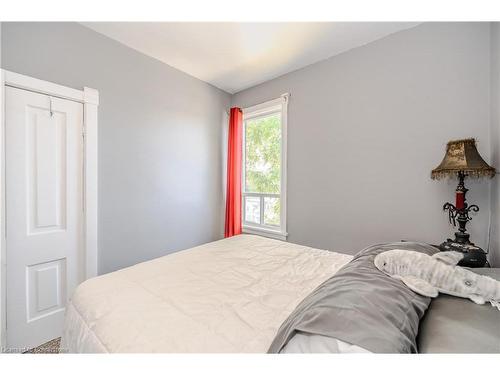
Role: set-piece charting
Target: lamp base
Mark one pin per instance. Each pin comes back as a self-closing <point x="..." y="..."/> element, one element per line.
<point x="474" y="256"/>
<point x="462" y="238"/>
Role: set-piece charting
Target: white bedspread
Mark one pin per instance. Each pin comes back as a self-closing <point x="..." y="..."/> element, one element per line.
<point x="226" y="296"/>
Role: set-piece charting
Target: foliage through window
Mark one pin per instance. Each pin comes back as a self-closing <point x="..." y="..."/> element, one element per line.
<point x="263" y="154"/>
<point x="263" y="158"/>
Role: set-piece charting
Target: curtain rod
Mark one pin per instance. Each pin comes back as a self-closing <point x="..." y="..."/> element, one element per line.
<point x="285" y="96"/>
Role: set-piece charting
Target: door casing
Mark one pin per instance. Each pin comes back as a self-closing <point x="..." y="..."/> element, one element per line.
<point x="90" y="99"/>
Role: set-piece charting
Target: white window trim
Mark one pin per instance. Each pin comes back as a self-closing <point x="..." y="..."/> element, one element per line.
<point x="90" y="100"/>
<point x="279" y="104"/>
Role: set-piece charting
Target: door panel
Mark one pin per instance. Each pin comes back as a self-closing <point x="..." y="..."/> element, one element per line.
<point x="45" y="289"/>
<point x="46" y="168"/>
<point x="44" y="213"/>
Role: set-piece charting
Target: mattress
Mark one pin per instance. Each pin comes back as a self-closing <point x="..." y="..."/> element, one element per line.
<point x="226" y="296"/>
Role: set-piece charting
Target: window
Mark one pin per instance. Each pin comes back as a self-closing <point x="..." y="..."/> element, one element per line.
<point x="264" y="168"/>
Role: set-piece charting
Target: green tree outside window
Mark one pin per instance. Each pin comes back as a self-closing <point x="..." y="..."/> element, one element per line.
<point x="263" y="161"/>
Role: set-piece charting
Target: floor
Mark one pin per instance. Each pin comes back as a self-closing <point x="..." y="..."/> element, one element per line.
<point x="51" y="347"/>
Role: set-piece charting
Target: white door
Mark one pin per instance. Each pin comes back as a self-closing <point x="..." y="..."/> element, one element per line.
<point x="44" y="156"/>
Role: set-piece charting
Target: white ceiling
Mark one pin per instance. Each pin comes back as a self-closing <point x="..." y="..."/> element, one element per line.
<point x="235" y="56"/>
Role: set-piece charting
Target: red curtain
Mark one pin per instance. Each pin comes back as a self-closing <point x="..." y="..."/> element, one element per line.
<point x="233" y="191"/>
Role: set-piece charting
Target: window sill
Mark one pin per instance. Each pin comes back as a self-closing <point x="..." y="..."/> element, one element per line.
<point x="276" y="234"/>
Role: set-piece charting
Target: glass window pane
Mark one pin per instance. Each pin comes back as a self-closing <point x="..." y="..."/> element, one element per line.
<point x="263" y="154"/>
<point x="272" y="211"/>
<point x="252" y="210"/>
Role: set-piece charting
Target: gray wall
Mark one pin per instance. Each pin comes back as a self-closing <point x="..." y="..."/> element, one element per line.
<point x="367" y="126"/>
<point x="159" y="134"/>
<point x="365" y="129"/>
<point x="495" y="142"/>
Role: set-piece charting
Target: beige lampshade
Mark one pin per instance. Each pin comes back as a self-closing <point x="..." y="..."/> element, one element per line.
<point x="462" y="156"/>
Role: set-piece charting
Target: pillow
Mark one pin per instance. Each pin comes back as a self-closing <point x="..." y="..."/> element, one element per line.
<point x="457" y="325"/>
<point x="362" y="306"/>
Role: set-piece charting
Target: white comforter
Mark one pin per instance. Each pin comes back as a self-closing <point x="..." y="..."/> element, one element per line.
<point x="226" y="296"/>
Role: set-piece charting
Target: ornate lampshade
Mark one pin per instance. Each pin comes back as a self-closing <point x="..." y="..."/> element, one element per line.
<point x="462" y="156"/>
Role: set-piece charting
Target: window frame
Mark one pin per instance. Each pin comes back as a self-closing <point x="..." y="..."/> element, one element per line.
<point x="279" y="105"/>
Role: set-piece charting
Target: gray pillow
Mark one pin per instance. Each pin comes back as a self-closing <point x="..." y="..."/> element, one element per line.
<point x="458" y="325"/>
<point x="362" y="306"/>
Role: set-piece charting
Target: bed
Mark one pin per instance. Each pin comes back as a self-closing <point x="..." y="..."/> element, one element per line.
<point x="250" y="294"/>
<point x="226" y="296"/>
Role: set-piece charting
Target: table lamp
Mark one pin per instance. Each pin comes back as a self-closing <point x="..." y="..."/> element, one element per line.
<point x="462" y="160"/>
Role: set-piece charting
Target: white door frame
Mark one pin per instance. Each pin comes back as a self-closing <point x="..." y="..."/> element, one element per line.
<point x="90" y="100"/>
